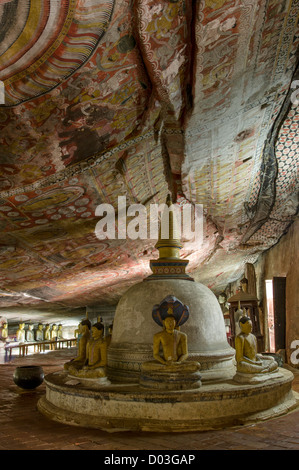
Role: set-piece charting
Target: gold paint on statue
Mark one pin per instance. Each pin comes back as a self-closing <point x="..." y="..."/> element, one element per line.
<point x="21" y="333"/>
<point x="4" y="332"/>
<point x="173" y="342"/>
<point x="59" y="332"/>
<point x="79" y="361"/>
<point x="174" y="347"/>
<point x="47" y="334"/>
<point x="96" y="356"/>
<point x="170" y="370"/>
<point x="248" y="361"/>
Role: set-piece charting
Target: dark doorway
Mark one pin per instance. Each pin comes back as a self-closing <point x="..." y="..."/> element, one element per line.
<point x="276" y="304"/>
<point x="279" y="307"/>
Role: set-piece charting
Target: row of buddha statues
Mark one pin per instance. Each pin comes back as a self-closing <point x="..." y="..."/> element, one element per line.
<point x="31" y="334"/>
<point x="170" y="351"/>
<point x="170" y="364"/>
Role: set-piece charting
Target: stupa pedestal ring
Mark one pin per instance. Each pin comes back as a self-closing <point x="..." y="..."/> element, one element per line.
<point x="129" y="407"/>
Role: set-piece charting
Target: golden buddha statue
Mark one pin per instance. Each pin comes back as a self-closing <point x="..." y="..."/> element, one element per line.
<point x="21" y="333"/>
<point x="250" y="365"/>
<point x="84" y="332"/>
<point x="59" y="332"/>
<point x="47" y="333"/>
<point x="173" y="342"/>
<point x="96" y="355"/>
<point x="53" y="336"/>
<point x="4" y="332"/>
<point x="170" y="370"/>
<point x="53" y="333"/>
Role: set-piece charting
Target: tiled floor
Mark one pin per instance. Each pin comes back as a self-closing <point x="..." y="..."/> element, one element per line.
<point x="23" y="427"/>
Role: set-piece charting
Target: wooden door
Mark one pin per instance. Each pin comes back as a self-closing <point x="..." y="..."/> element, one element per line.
<point x="279" y="307"/>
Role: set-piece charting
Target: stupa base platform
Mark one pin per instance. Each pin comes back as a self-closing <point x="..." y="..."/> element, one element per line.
<point x="154" y="375"/>
<point x="128" y="407"/>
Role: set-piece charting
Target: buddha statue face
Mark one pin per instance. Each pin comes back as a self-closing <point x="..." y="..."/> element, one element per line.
<point x="96" y="333"/>
<point x="246" y="326"/>
<point x="84" y="327"/>
<point x="170" y="324"/>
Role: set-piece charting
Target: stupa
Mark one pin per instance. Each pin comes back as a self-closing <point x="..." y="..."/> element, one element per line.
<point x="191" y="385"/>
<point x="133" y="327"/>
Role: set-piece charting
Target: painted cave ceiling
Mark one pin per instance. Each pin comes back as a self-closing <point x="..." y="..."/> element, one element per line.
<point x="139" y="98"/>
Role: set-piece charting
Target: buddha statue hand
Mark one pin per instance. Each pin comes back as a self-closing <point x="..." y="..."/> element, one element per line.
<point x="91" y="373"/>
<point x="269" y="362"/>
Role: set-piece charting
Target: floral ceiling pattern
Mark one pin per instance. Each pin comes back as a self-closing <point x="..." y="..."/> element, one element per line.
<point x="138" y="98"/>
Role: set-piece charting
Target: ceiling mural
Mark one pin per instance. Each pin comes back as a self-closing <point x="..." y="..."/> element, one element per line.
<point x="139" y="98"/>
<point x="43" y="42"/>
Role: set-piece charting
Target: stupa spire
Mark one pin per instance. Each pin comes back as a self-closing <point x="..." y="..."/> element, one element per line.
<point x="169" y="265"/>
<point x="169" y="242"/>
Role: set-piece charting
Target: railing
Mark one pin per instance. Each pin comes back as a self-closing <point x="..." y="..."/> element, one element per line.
<point x="39" y="346"/>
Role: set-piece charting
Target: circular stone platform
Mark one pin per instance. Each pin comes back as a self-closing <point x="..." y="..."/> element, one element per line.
<point x="128" y="407"/>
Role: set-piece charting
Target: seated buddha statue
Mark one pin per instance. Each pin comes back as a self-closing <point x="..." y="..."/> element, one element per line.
<point x="249" y="362"/>
<point x="20" y="335"/>
<point x="59" y="332"/>
<point x="47" y="333"/>
<point x="96" y="355"/>
<point x="4" y="332"/>
<point x="30" y="334"/>
<point x="79" y="361"/>
<point x="53" y="336"/>
<point x="173" y="343"/>
<point x="170" y="369"/>
<point x="39" y="334"/>
<point x="170" y="348"/>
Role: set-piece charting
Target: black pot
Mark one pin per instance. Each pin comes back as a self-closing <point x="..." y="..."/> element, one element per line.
<point x="28" y="377"/>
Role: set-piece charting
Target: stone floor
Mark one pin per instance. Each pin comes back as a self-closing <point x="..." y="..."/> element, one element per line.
<point x="22" y="427"/>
